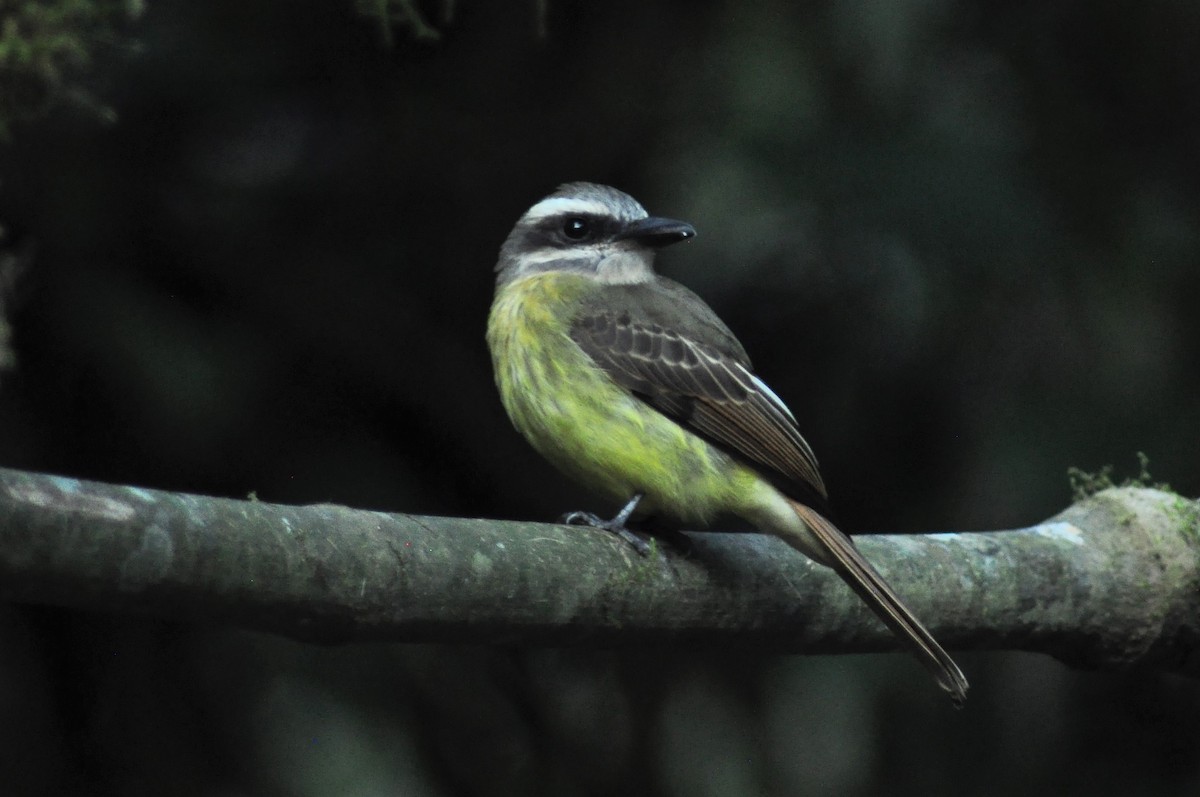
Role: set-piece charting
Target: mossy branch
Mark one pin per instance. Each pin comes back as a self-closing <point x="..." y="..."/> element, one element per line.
<point x="1111" y="582"/>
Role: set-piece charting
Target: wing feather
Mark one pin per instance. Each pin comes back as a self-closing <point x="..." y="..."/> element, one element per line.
<point x="694" y="372"/>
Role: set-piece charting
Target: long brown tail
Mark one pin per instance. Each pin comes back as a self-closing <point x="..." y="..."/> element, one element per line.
<point x="864" y="579"/>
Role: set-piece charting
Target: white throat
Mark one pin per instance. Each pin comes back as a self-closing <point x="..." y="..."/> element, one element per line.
<point x="621" y="266"/>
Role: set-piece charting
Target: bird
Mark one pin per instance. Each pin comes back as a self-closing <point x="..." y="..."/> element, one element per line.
<point x="629" y="383"/>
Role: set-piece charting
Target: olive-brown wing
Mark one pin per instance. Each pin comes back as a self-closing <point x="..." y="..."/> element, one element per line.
<point x="705" y="389"/>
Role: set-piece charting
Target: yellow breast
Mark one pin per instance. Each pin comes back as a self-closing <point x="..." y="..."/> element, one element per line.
<point x="588" y="426"/>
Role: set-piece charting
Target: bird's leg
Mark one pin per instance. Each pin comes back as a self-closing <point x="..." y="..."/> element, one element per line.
<point x="615" y="526"/>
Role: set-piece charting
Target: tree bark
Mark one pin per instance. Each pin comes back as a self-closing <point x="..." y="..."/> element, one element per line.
<point x="1110" y="582"/>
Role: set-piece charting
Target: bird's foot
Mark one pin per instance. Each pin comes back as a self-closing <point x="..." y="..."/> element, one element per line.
<point x="615" y="526"/>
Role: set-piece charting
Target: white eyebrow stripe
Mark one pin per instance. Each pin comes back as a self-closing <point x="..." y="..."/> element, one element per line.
<point x="563" y="205"/>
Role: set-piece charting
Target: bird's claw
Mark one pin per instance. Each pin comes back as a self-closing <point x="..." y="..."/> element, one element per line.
<point x="615" y="526"/>
<point x="582" y="519"/>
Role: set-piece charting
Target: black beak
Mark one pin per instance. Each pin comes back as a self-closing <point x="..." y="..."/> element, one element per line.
<point x="657" y="232"/>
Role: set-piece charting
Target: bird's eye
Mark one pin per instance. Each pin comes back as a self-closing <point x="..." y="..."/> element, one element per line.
<point x="577" y="228"/>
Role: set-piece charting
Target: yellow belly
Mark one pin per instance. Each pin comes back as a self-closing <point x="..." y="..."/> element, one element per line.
<point x="590" y="427"/>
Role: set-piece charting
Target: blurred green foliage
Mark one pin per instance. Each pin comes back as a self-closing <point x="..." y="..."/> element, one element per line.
<point x="404" y="14"/>
<point x="47" y="48"/>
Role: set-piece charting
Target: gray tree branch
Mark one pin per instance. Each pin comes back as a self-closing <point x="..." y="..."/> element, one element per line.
<point x="1113" y="581"/>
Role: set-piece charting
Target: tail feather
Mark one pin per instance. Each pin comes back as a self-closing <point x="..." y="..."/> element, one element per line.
<point x="863" y="578"/>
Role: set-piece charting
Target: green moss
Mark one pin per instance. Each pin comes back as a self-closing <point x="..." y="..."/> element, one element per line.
<point x="644" y="568"/>
<point x="1117" y="508"/>
<point x="1085" y="484"/>
<point x="1187" y="513"/>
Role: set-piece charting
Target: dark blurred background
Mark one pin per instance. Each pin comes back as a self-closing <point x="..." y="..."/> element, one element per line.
<point x="961" y="240"/>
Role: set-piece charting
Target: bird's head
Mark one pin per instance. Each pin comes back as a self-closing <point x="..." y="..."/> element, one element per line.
<point x="591" y="229"/>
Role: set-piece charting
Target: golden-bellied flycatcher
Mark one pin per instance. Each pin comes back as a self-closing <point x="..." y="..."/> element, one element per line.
<point x="629" y="383"/>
